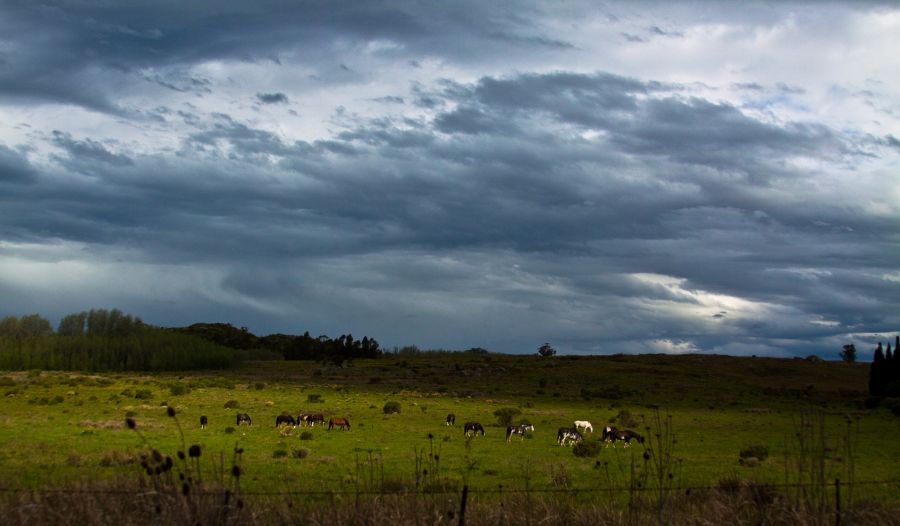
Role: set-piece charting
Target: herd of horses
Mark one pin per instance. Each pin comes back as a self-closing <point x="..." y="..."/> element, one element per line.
<point x="565" y="436"/>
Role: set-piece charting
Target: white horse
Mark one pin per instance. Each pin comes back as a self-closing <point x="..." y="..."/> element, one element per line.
<point x="584" y="425"/>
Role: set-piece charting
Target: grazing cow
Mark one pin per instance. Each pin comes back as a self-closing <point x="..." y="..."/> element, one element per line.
<point x="567" y="435"/>
<point x="244" y="418"/>
<point x="583" y="425"/>
<point x="203" y="422"/>
<point x="285" y="419"/>
<point x="473" y="428"/>
<point x="451" y="419"/>
<point x="342" y="423"/>
<point x="518" y="430"/>
<point x="611" y="435"/>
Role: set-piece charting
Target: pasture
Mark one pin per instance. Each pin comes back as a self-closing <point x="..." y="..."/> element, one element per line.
<point x="60" y="428"/>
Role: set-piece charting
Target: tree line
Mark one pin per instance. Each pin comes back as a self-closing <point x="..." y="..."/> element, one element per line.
<point x="104" y="340"/>
<point x="110" y="340"/>
<point x="291" y="347"/>
<point x="884" y="373"/>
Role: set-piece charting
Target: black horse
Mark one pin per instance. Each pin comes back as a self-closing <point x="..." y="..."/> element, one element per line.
<point x="285" y="419"/>
<point x="611" y="435"/>
<point x="451" y="419"/>
<point x="244" y="418"/>
<point x="203" y="422"/>
<point x="473" y="428"/>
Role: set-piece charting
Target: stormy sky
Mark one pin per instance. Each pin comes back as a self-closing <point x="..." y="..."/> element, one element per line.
<point x="719" y="177"/>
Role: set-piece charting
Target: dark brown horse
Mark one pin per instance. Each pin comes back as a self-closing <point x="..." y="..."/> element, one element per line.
<point x="342" y="423"/>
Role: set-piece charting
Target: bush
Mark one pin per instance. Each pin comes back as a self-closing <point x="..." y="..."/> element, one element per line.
<point x="143" y="394"/>
<point x="259" y="386"/>
<point x="299" y="453"/>
<point x="391" y="407"/>
<point x="279" y="453"/>
<point x="179" y="389"/>
<point x="232" y="404"/>
<point x="306" y="435"/>
<point x="229" y="430"/>
<point x="505" y="415"/>
<point x="757" y="451"/>
<point x="314" y="399"/>
<point x="625" y="419"/>
<point x="586" y="449"/>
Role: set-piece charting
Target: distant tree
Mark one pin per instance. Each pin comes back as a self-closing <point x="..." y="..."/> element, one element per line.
<point x="546" y="350"/>
<point x="877" y="373"/>
<point x="849" y="353"/>
<point x="34" y="325"/>
<point x="9" y="326"/>
<point x="72" y="324"/>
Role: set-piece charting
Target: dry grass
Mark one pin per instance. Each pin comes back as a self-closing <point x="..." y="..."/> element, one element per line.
<point x="130" y="503"/>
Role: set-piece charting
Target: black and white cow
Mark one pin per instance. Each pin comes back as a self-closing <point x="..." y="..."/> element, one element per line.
<point x="568" y="435"/>
<point x="203" y="422"/>
<point x="244" y="418"/>
<point x="451" y="419"/>
<point x="473" y="428"/>
<point x="518" y="430"/>
<point x="285" y="419"/>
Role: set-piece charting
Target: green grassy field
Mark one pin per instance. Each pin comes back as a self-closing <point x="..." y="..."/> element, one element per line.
<point x="60" y="428"/>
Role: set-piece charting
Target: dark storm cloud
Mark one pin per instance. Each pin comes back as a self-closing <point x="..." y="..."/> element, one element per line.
<point x="15" y="168"/>
<point x="596" y="210"/>
<point x="74" y="53"/>
<point x="272" y="98"/>
<point x="87" y="151"/>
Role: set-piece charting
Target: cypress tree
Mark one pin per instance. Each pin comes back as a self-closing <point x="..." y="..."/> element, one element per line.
<point x="876" y="373"/>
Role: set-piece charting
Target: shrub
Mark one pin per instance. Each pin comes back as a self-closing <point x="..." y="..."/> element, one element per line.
<point x="306" y="435"/>
<point x="143" y="394"/>
<point x="259" y="386"/>
<point x="279" y="453"/>
<point x="179" y="389"/>
<point x="314" y="398"/>
<point x="757" y="451"/>
<point x="299" y="453"/>
<point x="232" y="404"/>
<point x="625" y="419"/>
<point x="229" y="430"/>
<point x="586" y="449"/>
<point x="391" y="407"/>
<point x="505" y="415"/>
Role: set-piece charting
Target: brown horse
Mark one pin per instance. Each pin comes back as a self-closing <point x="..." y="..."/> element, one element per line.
<point x="342" y="423"/>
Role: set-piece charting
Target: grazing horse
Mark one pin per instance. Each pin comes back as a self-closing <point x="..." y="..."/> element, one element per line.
<point x="244" y="418"/>
<point x="313" y="418"/>
<point x="566" y="435"/>
<point x="518" y="430"/>
<point x="285" y="419"/>
<point x="451" y="419"/>
<point x="342" y="423"/>
<point x="203" y="422"/>
<point x="473" y="427"/>
<point x="583" y="425"/>
<point x="611" y="435"/>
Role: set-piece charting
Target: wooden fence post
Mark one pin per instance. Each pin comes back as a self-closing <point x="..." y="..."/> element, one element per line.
<point x="462" y="506"/>
<point x="837" y="502"/>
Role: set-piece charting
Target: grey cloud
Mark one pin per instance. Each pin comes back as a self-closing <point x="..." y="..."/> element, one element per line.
<point x="272" y="98"/>
<point x="88" y="150"/>
<point x="15" y="168"/>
